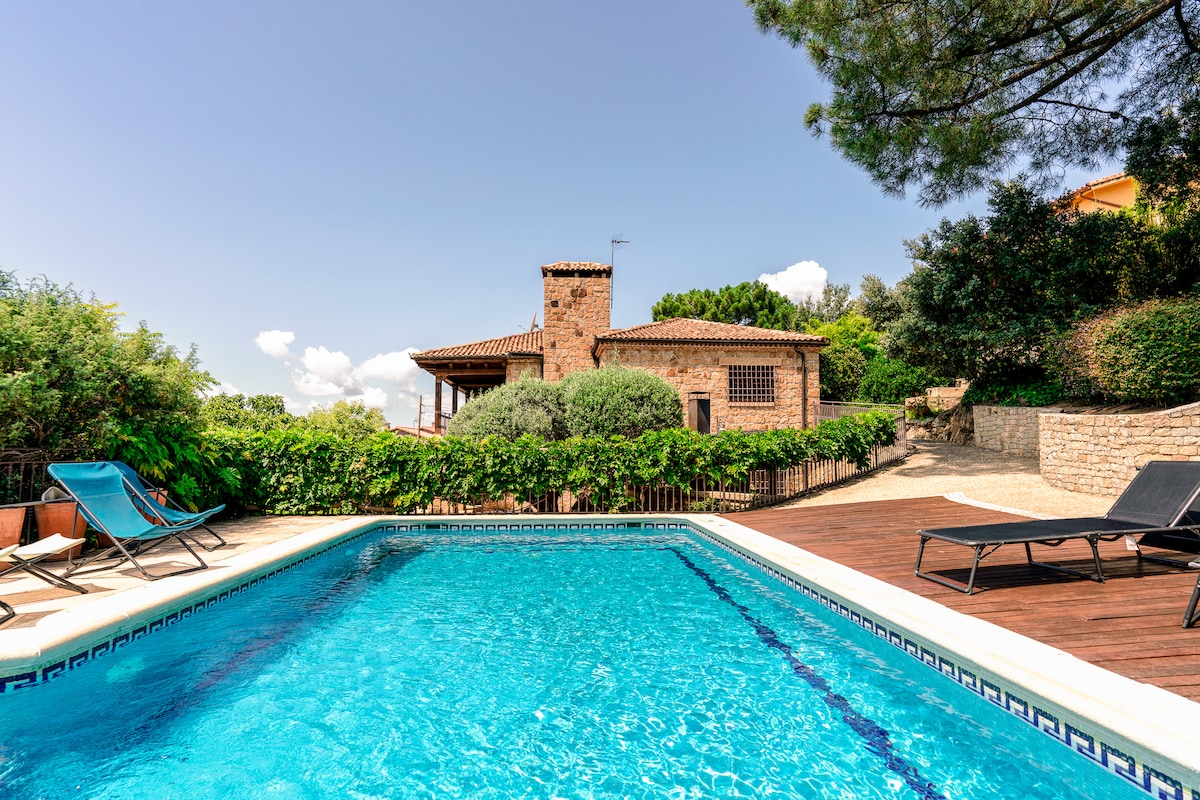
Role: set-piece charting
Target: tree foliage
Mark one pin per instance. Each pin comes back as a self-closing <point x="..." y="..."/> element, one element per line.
<point x="942" y="95"/>
<point x="842" y="368"/>
<point x="888" y="380"/>
<point x="748" y="303"/>
<point x="350" y="419"/>
<point x="260" y="412"/>
<point x="878" y="302"/>
<point x="1163" y="156"/>
<point x="70" y="379"/>
<point x="985" y="294"/>
<point x="830" y="306"/>
<point x="73" y="383"/>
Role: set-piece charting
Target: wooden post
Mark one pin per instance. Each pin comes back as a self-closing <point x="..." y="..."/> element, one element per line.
<point x="437" y="404"/>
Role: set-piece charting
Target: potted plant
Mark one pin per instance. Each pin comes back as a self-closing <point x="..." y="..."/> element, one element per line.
<point x="12" y="521"/>
<point x="58" y="514"/>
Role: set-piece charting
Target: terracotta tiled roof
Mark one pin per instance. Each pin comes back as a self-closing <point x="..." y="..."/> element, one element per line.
<point x="1100" y="182"/>
<point x="521" y="344"/>
<point x="586" y="267"/>
<point x="424" y="432"/>
<point x="702" y="331"/>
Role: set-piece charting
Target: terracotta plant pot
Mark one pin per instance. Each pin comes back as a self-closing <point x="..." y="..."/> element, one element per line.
<point x="55" y="518"/>
<point x="12" y="521"/>
<point x="157" y="495"/>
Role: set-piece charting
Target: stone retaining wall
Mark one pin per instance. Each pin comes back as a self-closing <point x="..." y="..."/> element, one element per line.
<point x="1009" y="429"/>
<point x="1099" y="453"/>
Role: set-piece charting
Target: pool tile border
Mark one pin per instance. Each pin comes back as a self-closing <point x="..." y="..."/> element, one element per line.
<point x="30" y="678"/>
<point x="1089" y="745"/>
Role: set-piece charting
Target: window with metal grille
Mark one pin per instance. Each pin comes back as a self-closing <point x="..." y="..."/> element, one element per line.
<point x="751" y="383"/>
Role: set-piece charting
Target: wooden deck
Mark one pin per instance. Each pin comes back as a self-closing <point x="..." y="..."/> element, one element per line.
<point x="1130" y="624"/>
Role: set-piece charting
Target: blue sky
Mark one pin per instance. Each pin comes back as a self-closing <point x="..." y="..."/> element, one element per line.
<point x="365" y="178"/>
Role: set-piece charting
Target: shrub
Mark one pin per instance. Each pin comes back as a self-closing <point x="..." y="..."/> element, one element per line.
<point x="1149" y="353"/>
<point x="1028" y="388"/>
<point x="619" y="401"/>
<point x="528" y="407"/>
<point x="889" y="380"/>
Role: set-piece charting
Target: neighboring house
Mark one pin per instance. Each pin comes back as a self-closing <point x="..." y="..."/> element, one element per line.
<point x="1106" y="194"/>
<point x="728" y="376"/>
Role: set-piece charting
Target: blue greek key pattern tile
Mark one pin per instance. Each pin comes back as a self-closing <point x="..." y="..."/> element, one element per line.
<point x="1153" y="783"/>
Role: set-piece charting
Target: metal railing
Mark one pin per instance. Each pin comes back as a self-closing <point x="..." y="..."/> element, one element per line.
<point x="23" y="475"/>
<point x="23" y="478"/>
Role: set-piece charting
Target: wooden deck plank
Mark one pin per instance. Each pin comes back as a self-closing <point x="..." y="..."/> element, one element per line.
<point x="1130" y="624"/>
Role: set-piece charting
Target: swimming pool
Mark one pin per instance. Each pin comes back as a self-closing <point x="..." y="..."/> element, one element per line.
<point x="524" y="662"/>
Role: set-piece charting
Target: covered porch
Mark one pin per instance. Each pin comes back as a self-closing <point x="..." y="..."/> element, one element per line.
<point x="461" y="372"/>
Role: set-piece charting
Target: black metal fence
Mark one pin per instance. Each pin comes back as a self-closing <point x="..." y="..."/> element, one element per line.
<point x="23" y="475"/>
<point x="23" y="478"/>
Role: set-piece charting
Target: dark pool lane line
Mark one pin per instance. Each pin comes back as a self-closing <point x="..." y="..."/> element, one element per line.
<point x="877" y="739"/>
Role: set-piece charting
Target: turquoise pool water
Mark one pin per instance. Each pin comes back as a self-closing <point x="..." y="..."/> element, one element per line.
<point x="539" y="664"/>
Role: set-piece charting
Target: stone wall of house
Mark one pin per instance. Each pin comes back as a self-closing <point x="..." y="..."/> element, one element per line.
<point x="1009" y="429"/>
<point x="1099" y="453"/>
<point x="516" y="367"/>
<point x="577" y="307"/>
<point x="705" y="368"/>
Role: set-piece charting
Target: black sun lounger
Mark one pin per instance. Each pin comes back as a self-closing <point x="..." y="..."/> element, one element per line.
<point x="1156" y="501"/>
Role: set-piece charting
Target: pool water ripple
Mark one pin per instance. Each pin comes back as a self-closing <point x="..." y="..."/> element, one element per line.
<point x="582" y="664"/>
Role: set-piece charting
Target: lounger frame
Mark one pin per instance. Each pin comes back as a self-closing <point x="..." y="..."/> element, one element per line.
<point x="1156" y="501"/>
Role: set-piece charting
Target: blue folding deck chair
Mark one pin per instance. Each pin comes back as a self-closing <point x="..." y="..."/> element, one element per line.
<point x="173" y="514"/>
<point x="103" y="497"/>
<point x="1155" y="502"/>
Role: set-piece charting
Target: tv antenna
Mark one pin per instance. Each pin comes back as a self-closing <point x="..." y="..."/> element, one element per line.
<point x="533" y="326"/>
<point x="616" y="240"/>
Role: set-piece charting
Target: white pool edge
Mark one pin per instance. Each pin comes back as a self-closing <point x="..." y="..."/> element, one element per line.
<point x="1157" y="727"/>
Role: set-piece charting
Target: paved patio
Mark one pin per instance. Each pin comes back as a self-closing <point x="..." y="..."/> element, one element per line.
<point x="35" y="599"/>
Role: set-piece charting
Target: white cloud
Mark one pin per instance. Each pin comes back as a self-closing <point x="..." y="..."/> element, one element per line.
<point x="296" y="407"/>
<point x="804" y="280"/>
<point x="389" y="381"/>
<point x="331" y="365"/>
<point x="395" y="367"/>
<point x="373" y="397"/>
<point x="275" y="343"/>
<point x="312" y="385"/>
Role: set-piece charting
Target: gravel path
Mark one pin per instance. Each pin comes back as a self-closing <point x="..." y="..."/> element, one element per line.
<point x="968" y="474"/>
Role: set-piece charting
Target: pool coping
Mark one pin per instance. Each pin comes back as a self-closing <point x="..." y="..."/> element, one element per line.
<point x="1142" y="733"/>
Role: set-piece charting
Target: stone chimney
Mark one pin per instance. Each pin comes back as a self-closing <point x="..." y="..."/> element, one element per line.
<point x="577" y="308"/>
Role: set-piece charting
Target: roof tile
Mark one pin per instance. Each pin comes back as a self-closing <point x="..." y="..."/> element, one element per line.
<point x="684" y="329"/>
<point x="520" y="344"/>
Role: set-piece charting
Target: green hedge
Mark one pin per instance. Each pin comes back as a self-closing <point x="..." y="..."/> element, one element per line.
<point x="1148" y="353"/>
<point x="312" y="472"/>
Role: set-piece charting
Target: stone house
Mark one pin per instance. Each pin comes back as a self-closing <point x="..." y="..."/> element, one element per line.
<point x="728" y="376"/>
